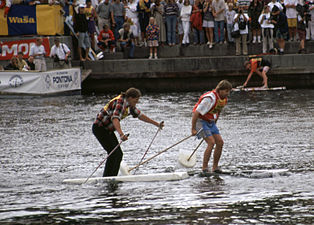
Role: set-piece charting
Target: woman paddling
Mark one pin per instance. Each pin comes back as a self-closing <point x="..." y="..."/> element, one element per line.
<point x="108" y="121"/>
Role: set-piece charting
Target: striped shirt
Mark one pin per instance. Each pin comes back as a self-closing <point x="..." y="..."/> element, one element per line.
<point x="171" y="9"/>
<point x="118" y="108"/>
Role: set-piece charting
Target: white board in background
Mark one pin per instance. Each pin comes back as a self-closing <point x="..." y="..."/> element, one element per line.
<point x="132" y="178"/>
<point x="260" y="89"/>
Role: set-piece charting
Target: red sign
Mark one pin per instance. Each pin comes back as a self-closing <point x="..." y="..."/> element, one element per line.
<point x="11" y="48"/>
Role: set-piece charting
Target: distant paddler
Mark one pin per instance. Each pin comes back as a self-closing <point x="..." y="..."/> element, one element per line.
<point x="259" y="66"/>
<point x="205" y="115"/>
<point x="108" y="121"/>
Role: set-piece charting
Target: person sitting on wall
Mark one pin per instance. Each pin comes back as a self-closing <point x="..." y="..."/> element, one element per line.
<point x="21" y="62"/>
<point x="13" y="65"/>
<point x="106" y="39"/>
<point x="60" y="53"/>
<point x="259" y="66"/>
<point x="30" y="63"/>
<point x="126" y="39"/>
<point x="38" y="52"/>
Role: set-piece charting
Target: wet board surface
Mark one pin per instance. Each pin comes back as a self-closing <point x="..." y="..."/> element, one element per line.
<point x="132" y="178"/>
<point x="246" y="173"/>
<point x="247" y="89"/>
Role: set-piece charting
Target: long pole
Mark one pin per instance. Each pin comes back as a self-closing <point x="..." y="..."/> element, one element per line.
<point x="149" y="147"/>
<point x="159" y="153"/>
<point x="105" y="159"/>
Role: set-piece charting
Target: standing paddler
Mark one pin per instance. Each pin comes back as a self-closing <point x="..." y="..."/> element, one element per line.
<point x="205" y="115"/>
<point x="108" y="121"/>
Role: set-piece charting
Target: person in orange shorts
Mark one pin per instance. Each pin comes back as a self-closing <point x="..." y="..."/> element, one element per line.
<point x="259" y="66"/>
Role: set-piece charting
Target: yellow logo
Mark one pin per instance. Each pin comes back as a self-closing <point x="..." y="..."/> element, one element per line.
<point x="25" y="19"/>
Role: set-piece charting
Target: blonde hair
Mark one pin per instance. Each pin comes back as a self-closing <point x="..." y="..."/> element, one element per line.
<point x="224" y="85"/>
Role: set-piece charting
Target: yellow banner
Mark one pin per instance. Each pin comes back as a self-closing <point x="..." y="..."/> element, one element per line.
<point x="49" y="20"/>
<point x="3" y="24"/>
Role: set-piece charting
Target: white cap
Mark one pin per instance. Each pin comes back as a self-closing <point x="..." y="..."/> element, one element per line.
<point x="81" y="6"/>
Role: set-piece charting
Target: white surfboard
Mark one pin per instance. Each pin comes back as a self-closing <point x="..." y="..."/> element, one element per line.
<point x="259" y="89"/>
<point x="132" y="178"/>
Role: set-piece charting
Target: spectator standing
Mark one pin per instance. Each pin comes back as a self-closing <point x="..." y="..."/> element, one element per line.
<point x="219" y="24"/>
<point x="117" y="11"/>
<point x="21" y="62"/>
<point x="143" y="8"/>
<point x="301" y="25"/>
<point x="30" y="63"/>
<point x="81" y="28"/>
<point x="126" y="39"/>
<point x="254" y="11"/>
<point x="132" y="15"/>
<point x="60" y="53"/>
<point x="13" y="65"/>
<point x="171" y="14"/>
<point x="185" y="15"/>
<point x="241" y="21"/>
<point x="103" y="12"/>
<point x="197" y="22"/>
<point x="179" y="22"/>
<point x="91" y="16"/>
<point x="310" y="32"/>
<point x="230" y="13"/>
<point x="291" y="14"/>
<point x="38" y="52"/>
<point x="279" y="19"/>
<point x="152" y="32"/>
<point x="208" y="22"/>
<point x="267" y="29"/>
<point x="106" y="39"/>
<point x="158" y="12"/>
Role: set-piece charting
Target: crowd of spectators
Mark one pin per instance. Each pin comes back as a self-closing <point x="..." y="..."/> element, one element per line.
<point x="123" y="24"/>
<point x="197" y="22"/>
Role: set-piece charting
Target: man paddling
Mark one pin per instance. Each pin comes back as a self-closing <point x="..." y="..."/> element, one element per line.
<point x="259" y="66"/>
<point x="108" y="121"/>
<point x="205" y="115"/>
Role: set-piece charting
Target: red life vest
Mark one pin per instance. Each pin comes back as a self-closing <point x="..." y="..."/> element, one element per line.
<point x="213" y="113"/>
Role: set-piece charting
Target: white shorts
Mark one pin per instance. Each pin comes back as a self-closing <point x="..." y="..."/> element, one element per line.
<point x="207" y="23"/>
<point x="266" y="69"/>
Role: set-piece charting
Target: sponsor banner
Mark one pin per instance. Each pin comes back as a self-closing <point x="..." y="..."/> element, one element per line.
<point x="36" y="20"/>
<point x="51" y="82"/>
<point x="22" y="20"/>
<point x="11" y="48"/>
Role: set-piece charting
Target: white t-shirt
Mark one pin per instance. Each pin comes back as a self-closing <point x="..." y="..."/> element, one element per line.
<point x="291" y="13"/>
<point x="236" y="25"/>
<point x="206" y="104"/>
<point x="230" y="16"/>
<point x="59" y="51"/>
<point x="37" y="50"/>
<point x="265" y="23"/>
<point x="186" y="13"/>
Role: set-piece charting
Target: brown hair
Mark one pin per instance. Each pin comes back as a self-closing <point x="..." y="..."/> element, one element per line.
<point x="224" y="85"/>
<point x="133" y="93"/>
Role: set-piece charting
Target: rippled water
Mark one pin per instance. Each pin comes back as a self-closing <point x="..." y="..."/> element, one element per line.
<point x="45" y="140"/>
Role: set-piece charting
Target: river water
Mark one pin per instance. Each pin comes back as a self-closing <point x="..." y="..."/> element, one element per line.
<point x="46" y="140"/>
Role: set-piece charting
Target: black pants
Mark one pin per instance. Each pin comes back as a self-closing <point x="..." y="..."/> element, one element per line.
<point x="109" y="141"/>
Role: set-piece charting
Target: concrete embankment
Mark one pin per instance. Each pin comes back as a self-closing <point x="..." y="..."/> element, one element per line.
<point x="194" y="73"/>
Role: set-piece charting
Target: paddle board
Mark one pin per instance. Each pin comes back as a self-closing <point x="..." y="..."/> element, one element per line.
<point x="132" y="178"/>
<point x="259" y="89"/>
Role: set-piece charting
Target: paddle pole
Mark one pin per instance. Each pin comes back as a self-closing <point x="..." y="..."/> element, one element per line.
<point x="118" y="145"/>
<point x="195" y="149"/>
<point x="149" y="147"/>
<point x="159" y="153"/>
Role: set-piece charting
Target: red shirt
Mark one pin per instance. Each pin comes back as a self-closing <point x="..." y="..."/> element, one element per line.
<point x="103" y="35"/>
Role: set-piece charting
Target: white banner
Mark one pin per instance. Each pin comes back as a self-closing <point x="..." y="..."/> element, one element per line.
<point x="51" y="82"/>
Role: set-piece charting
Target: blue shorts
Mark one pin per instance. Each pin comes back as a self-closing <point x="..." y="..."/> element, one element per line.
<point x="209" y="129"/>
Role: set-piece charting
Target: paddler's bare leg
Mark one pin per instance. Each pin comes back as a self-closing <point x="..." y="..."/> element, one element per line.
<point x="218" y="150"/>
<point x="210" y="144"/>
